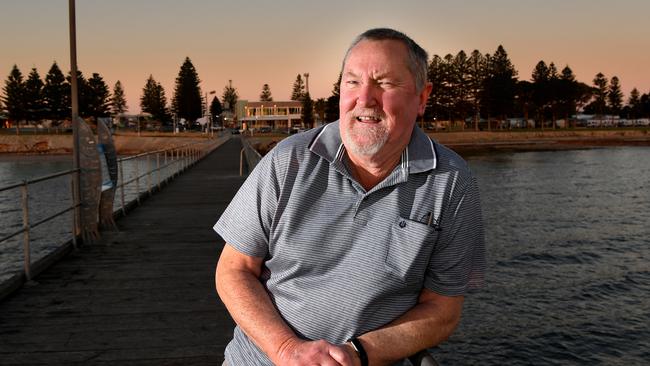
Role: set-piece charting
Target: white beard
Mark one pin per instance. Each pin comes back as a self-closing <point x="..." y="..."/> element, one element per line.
<point x="364" y="139"/>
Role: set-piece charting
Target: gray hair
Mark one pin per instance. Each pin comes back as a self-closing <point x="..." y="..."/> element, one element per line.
<point x="418" y="57"/>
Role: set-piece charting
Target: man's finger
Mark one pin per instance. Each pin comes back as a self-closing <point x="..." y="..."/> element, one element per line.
<point x="341" y="356"/>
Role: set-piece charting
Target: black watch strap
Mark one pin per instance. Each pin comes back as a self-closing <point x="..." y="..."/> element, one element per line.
<point x="363" y="356"/>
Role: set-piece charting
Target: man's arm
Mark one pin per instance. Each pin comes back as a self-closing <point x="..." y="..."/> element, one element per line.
<point x="238" y="285"/>
<point x="427" y="324"/>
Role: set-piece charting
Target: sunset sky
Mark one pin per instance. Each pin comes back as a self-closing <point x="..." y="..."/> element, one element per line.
<point x="257" y="42"/>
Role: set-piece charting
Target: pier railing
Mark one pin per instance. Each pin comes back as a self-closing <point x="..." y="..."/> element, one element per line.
<point x="249" y="153"/>
<point x="146" y="173"/>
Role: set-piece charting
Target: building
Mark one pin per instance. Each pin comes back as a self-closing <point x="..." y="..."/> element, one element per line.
<point x="276" y="115"/>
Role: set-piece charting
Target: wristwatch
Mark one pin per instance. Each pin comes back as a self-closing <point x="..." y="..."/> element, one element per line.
<point x="358" y="347"/>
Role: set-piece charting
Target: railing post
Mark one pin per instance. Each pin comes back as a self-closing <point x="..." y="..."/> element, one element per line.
<point x="241" y="162"/>
<point x="149" y="174"/>
<point x="122" y="187"/>
<point x="137" y="180"/>
<point x="73" y="196"/>
<point x="158" y="169"/>
<point x="26" y="249"/>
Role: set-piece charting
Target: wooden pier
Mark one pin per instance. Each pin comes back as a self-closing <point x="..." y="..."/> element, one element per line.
<point x="142" y="296"/>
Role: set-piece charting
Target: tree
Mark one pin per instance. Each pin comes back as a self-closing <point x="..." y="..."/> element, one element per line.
<point x="265" y="96"/>
<point x="320" y="106"/>
<point x="215" y="108"/>
<point x="634" y="104"/>
<point x="118" y="100"/>
<point x="499" y="86"/>
<point x="34" y="97"/>
<point x="298" y="89"/>
<point x="615" y="96"/>
<point x="187" y="95"/>
<point x="153" y="100"/>
<point x="82" y="92"/>
<point x="332" y="107"/>
<point x="229" y="97"/>
<point x="435" y="76"/>
<point x="541" y="79"/>
<point x="57" y="102"/>
<point x="599" y="105"/>
<point x="307" y="115"/>
<point x="476" y="75"/>
<point x="98" y="97"/>
<point x="14" y="96"/>
<point x="567" y="93"/>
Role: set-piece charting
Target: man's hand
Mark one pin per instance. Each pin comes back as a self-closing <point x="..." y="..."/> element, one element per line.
<point x="297" y="352"/>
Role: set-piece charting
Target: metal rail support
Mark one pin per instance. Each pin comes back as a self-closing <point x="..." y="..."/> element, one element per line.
<point x="26" y="249"/>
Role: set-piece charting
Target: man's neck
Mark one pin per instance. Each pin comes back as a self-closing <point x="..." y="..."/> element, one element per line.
<point x="371" y="170"/>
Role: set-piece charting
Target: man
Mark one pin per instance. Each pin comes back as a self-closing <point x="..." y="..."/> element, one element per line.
<point x="353" y="243"/>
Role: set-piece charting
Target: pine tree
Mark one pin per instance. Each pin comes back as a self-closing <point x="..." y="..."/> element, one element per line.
<point x="229" y="97"/>
<point x="615" y="96"/>
<point x="153" y="100"/>
<point x="298" y="89"/>
<point x="332" y="107"/>
<point x="634" y="103"/>
<point x="476" y="75"/>
<point x="187" y="95"/>
<point x="215" y="109"/>
<point x="499" y="85"/>
<point x="567" y="93"/>
<point x="265" y="96"/>
<point x="57" y="102"/>
<point x="435" y="108"/>
<point x="98" y="97"/>
<point x="307" y="115"/>
<point x="34" y="105"/>
<point x="83" y="93"/>
<point x="600" y="103"/>
<point x="118" y="100"/>
<point x="14" y="96"/>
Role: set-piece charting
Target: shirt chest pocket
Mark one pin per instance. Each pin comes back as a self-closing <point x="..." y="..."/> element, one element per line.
<point x="409" y="249"/>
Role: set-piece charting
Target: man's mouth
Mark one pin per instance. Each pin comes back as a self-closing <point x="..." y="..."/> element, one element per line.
<point x="368" y="119"/>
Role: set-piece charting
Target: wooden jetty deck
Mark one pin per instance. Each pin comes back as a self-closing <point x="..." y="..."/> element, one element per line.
<point x="142" y="296"/>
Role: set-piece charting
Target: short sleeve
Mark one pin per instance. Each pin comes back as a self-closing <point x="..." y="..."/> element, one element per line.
<point x="246" y="222"/>
<point x="458" y="260"/>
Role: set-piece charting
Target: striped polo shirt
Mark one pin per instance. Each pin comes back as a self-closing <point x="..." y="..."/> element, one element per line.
<point x="340" y="261"/>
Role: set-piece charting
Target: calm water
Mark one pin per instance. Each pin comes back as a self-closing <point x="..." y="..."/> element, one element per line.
<point x="568" y="238"/>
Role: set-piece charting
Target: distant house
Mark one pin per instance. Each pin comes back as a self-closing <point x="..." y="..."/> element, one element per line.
<point x="275" y="115"/>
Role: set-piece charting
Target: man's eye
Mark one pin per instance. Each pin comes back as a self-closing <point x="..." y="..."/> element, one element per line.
<point x="352" y="82"/>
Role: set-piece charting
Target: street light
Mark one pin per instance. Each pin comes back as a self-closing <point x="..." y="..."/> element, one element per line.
<point x="207" y="110"/>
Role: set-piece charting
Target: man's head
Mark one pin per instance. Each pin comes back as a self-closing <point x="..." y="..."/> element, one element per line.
<point x="383" y="90"/>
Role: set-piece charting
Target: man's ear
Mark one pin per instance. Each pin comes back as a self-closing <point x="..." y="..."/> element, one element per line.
<point x="424" y="96"/>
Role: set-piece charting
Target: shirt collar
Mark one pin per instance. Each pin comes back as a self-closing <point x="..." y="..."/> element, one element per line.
<point x="418" y="157"/>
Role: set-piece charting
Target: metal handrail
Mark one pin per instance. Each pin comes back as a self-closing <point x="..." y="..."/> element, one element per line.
<point x="185" y="156"/>
<point x="253" y="156"/>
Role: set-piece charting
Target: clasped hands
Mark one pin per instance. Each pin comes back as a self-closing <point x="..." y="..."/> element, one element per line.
<point x="297" y="352"/>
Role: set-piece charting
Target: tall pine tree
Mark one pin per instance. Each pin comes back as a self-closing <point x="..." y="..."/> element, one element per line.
<point x="153" y="100"/>
<point x="265" y="96"/>
<point x="118" y="100"/>
<point x="298" y="89"/>
<point x="500" y="85"/>
<point x="615" y="96"/>
<point x="307" y="115"/>
<point x="83" y="93"/>
<point x="14" y="96"/>
<point x="229" y="97"/>
<point x="98" y="97"/>
<point x="56" y="100"/>
<point x="600" y="102"/>
<point x="34" y="105"/>
<point x="187" y="94"/>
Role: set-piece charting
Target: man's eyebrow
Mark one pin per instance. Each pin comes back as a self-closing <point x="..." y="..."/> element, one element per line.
<point x="350" y="73"/>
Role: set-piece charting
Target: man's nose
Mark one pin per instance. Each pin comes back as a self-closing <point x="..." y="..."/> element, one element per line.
<point x="367" y="96"/>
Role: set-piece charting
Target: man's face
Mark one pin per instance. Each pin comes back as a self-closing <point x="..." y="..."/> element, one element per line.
<point x="379" y="100"/>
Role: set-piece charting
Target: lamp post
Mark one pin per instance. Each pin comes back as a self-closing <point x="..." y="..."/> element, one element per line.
<point x="306" y="82"/>
<point x="75" y="104"/>
<point x="207" y="110"/>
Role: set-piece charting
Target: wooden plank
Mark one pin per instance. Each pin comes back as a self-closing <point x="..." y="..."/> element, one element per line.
<point x="141" y="296"/>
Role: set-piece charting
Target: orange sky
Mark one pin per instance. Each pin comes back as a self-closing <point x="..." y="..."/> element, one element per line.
<point x="257" y="42"/>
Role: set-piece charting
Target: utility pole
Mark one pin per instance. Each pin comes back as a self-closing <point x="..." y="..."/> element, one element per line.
<point x="75" y="103"/>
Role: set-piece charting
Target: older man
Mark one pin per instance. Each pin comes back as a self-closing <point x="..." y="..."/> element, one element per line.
<point x="353" y="243"/>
